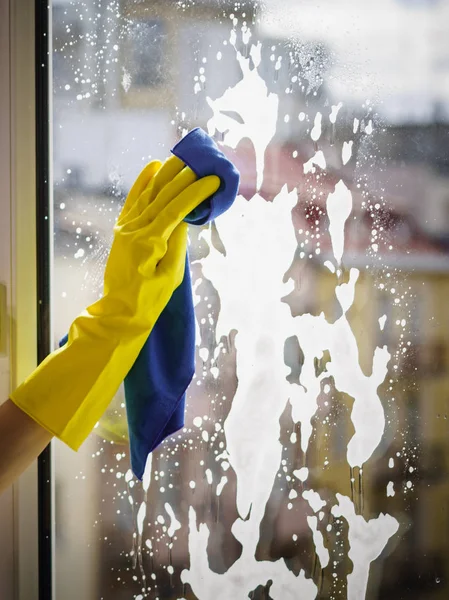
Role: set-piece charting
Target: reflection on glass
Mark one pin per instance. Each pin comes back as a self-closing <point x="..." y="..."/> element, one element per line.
<point x="313" y="462"/>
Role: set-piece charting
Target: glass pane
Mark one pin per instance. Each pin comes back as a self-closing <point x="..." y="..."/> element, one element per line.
<point x="314" y="458"/>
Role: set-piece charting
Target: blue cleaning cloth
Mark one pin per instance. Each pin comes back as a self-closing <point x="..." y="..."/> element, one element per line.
<point x="155" y="387"/>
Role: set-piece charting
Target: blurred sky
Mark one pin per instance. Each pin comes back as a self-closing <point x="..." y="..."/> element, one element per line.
<point x="395" y="52"/>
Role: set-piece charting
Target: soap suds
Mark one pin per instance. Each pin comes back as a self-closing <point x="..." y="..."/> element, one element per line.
<point x="318" y="540"/>
<point x="366" y="539"/>
<point x="174" y="523"/>
<point x="240" y="99"/>
<point x="339" y="207"/>
<point x="314" y="500"/>
<point x="315" y="134"/>
<point x="346" y="152"/>
<point x="318" y="159"/>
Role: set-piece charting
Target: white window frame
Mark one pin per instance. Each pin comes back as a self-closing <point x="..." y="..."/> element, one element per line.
<point x="19" y="570"/>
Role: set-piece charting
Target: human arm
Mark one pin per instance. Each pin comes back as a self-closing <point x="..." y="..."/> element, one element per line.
<point x="69" y="391"/>
<point x="21" y="442"/>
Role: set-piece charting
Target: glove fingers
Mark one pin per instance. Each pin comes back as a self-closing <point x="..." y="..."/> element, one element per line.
<point x="165" y="175"/>
<point x="140" y="204"/>
<point x="172" y="264"/>
<point x="163" y="256"/>
<point x="177" y="210"/>
<point x="170" y="191"/>
<point x="147" y="186"/>
<point x="142" y="181"/>
<point x="171" y="167"/>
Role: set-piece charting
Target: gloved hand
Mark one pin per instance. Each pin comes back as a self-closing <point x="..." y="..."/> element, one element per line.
<point x="72" y="387"/>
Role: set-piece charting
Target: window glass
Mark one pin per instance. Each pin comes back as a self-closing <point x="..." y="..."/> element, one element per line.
<point x="146" y="53"/>
<point x="314" y="458"/>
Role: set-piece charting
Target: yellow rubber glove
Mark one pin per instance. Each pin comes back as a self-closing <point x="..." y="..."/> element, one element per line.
<point x="72" y="387"/>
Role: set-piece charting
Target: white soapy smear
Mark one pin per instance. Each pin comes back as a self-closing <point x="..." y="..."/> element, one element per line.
<point x="262" y="393"/>
<point x="204" y="354"/>
<point x="246" y="34"/>
<point x="293" y="494"/>
<point x="303" y="398"/>
<point x="146" y="479"/>
<point x="141" y="513"/>
<point x="243" y="576"/>
<point x="346" y="151"/>
<point x="314" y="500"/>
<point x="209" y="476"/>
<point x="316" y="335"/>
<point x="223" y="456"/>
<point x="390" y="489"/>
<point x="301" y="473"/>
<point x="391" y="463"/>
<point x="382" y="321"/>
<point x="339" y="207"/>
<point x="262" y="325"/>
<point x="315" y="134"/>
<point x="126" y="80"/>
<point x="355" y="127"/>
<point x="255" y="105"/>
<point x="203" y="234"/>
<point x="317" y="159"/>
<point x="321" y="550"/>
<point x="346" y="291"/>
<point x="205" y="435"/>
<point x="329" y="265"/>
<point x="220" y="486"/>
<point x="366" y="539"/>
<point x="369" y="127"/>
<point x="334" y="112"/>
<point x="293" y="438"/>
<point x="197" y="421"/>
<point x="253" y="270"/>
<point x="174" y="523"/>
